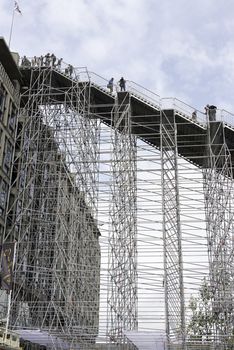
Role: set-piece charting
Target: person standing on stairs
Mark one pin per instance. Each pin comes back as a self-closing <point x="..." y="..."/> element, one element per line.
<point x="53" y="60"/>
<point x="194" y="115"/>
<point x="70" y="70"/>
<point x="122" y="84"/>
<point x="59" y="63"/>
<point x="110" y="84"/>
<point x="47" y="60"/>
<point x="210" y="111"/>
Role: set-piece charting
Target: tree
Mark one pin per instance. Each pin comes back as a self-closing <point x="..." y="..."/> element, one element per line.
<point x="212" y="316"/>
<point x="201" y="325"/>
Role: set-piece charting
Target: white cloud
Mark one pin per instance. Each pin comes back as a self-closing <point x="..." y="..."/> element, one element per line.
<point x="177" y="47"/>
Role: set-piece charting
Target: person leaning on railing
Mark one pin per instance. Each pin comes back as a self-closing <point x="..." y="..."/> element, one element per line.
<point x="210" y="111"/>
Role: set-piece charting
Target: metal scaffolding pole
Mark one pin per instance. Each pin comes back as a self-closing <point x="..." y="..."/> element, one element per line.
<point x="122" y="296"/>
<point x="54" y="213"/>
<point x="173" y="262"/>
<point x="218" y="191"/>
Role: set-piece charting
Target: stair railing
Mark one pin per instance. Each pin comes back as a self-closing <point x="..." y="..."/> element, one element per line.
<point x="146" y="95"/>
<point x="227" y="117"/>
<point x="184" y="109"/>
<point x="143" y="93"/>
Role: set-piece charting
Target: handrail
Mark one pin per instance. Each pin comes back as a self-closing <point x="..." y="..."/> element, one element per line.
<point x="225" y="111"/>
<point x="227" y="117"/>
<point x="184" y="108"/>
<point x="142" y="87"/>
<point x="186" y="104"/>
<point x="146" y="93"/>
<point x="98" y="77"/>
<point x="168" y="102"/>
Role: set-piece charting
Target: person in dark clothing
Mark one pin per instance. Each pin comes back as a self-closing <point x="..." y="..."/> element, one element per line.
<point x="53" y="59"/>
<point x="70" y="70"/>
<point x="122" y="84"/>
<point x="59" y="63"/>
<point x="206" y="108"/>
<point x="194" y="115"/>
<point x="211" y="112"/>
<point x="47" y="60"/>
<point x="110" y="84"/>
<point x="41" y="61"/>
<point x="25" y="62"/>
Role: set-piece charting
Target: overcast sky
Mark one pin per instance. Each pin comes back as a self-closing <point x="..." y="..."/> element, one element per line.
<point x="180" y="48"/>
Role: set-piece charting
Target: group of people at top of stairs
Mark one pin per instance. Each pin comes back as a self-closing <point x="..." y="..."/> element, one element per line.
<point x="49" y="60"/>
<point x="122" y="84"/>
<point x="210" y="112"/>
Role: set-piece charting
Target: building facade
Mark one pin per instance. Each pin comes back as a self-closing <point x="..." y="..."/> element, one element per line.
<point x="10" y="79"/>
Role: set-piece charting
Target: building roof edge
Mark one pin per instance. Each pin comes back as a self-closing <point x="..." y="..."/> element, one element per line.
<point x="8" y="61"/>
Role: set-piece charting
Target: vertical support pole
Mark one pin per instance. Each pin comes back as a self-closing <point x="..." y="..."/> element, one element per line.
<point x="218" y="191"/>
<point x="173" y="261"/>
<point x="122" y="296"/>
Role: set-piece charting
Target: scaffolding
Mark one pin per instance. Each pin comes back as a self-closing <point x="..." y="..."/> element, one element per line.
<point x="122" y="207"/>
<point x="122" y="296"/>
<point x="218" y="191"/>
<point x="173" y="262"/>
<point x="53" y="216"/>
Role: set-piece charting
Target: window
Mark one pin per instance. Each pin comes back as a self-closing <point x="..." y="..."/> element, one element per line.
<point x="12" y="118"/>
<point x="8" y="153"/>
<point x="2" y="101"/>
<point x="3" y="196"/>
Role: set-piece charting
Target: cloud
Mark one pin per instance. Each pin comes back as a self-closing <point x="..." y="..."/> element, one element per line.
<point x="179" y="47"/>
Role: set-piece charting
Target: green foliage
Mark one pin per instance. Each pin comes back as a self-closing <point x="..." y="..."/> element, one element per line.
<point x="207" y="320"/>
<point x="202" y="322"/>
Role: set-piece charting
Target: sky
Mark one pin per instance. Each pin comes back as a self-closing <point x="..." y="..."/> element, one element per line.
<point x="176" y="48"/>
